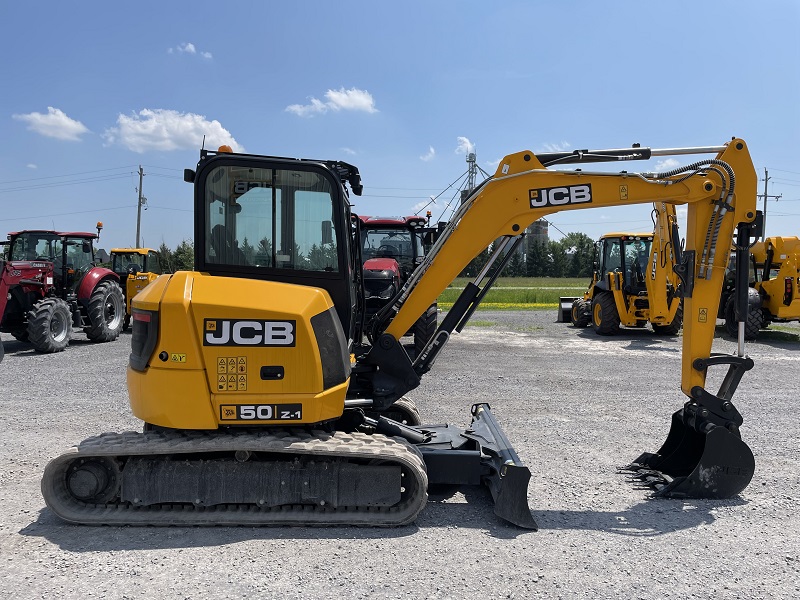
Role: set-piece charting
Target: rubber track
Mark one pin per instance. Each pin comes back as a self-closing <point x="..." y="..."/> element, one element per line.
<point x="293" y="443"/>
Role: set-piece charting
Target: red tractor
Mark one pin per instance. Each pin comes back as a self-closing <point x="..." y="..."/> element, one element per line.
<point x="49" y="283"/>
<point x="391" y="248"/>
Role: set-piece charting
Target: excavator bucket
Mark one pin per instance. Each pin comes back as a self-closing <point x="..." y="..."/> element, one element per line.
<point x="709" y="461"/>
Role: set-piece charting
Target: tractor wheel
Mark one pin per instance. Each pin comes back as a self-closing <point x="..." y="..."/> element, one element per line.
<point x="106" y="312"/>
<point x="674" y="327"/>
<point x="605" y="317"/>
<point x="581" y="313"/>
<point x="21" y="334"/>
<point x="50" y="325"/>
<point x="2" y="351"/>
<point x="425" y="327"/>
<point x="755" y="317"/>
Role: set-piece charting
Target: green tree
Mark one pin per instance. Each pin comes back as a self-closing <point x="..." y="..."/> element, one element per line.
<point x="249" y="252"/>
<point x="560" y="261"/>
<point x="476" y="264"/>
<point x="538" y="261"/>
<point x="165" y="258"/>
<point x="184" y="256"/>
<point x="580" y="247"/>
<point x="516" y="266"/>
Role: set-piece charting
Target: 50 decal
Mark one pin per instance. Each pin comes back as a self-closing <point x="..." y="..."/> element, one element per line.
<point x="260" y="412"/>
<point x="246" y="332"/>
<point x="559" y="196"/>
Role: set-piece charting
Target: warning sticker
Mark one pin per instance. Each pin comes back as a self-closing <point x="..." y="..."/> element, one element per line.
<point x="231" y="374"/>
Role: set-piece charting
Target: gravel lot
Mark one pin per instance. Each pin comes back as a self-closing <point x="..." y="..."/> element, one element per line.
<point x="575" y="406"/>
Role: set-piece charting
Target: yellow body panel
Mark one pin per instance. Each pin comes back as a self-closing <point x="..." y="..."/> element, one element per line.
<point x="190" y="380"/>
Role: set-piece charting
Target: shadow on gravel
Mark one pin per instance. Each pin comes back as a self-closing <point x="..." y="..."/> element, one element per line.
<point x="638" y="339"/>
<point x="80" y="538"/>
<point x="784" y="340"/>
<point x="646" y="519"/>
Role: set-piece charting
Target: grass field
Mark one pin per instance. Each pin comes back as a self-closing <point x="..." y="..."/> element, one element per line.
<point x="515" y="293"/>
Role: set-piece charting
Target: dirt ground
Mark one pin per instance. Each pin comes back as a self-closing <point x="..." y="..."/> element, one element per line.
<point x="575" y="406"/>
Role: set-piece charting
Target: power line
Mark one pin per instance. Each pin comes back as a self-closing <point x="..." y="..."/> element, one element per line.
<point x="42" y="186"/>
<point x="69" y="175"/>
<point x="72" y="212"/>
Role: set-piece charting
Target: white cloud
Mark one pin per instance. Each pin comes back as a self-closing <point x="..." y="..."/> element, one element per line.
<point x="421" y="205"/>
<point x="336" y="100"/>
<point x="429" y="156"/>
<point x="464" y="146"/>
<point x="188" y="48"/>
<point x="666" y="165"/>
<point x="558" y="147"/>
<point x="54" y="124"/>
<point x="349" y="151"/>
<point x="165" y="130"/>
<point x="32" y="166"/>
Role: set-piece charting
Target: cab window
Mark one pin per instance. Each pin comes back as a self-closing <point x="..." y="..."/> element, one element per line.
<point x="260" y="217"/>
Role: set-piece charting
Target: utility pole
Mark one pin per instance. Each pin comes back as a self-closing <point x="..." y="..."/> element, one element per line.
<point x="766" y="181"/>
<point x="142" y="200"/>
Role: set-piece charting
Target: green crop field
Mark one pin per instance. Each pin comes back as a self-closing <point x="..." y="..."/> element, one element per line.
<point x="515" y="293"/>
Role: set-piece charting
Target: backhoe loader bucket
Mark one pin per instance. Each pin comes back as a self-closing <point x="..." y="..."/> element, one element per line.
<point x="565" y="309"/>
<point x="706" y="461"/>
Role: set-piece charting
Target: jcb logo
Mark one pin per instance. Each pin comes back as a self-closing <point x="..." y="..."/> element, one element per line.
<point x="242" y="187"/>
<point x="559" y="196"/>
<point x="241" y="332"/>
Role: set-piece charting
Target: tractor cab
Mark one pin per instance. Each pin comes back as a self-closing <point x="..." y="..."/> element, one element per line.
<point x="130" y="261"/>
<point x="72" y="254"/>
<point x="627" y="255"/>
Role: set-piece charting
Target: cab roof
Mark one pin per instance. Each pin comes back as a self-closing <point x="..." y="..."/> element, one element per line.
<point x="141" y="251"/>
<point x="414" y="220"/>
<point x="82" y="234"/>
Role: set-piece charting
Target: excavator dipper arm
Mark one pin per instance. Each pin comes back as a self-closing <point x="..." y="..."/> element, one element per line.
<point x="720" y="194"/>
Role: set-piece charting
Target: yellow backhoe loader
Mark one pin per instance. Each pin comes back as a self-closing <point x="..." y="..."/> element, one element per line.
<point x="774" y="294"/>
<point x="634" y="282"/>
<point x="268" y="398"/>
<point x="137" y="268"/>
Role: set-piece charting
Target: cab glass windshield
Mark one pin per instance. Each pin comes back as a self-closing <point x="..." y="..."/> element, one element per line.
<point x="260" y="217"/>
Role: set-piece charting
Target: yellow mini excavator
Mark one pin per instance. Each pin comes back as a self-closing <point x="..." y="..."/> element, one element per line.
<point x="268" y="398"/>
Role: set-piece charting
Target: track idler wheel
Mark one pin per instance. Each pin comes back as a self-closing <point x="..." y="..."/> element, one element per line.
<point x="710" y="461"/>
<point x="93" y="480"/>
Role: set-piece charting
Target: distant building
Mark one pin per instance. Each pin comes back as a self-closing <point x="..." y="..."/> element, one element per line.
<point x="102" y="256"/>
<point x="538" y="232"/>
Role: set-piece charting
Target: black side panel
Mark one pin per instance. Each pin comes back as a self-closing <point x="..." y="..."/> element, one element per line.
<point x="334" y="351"/>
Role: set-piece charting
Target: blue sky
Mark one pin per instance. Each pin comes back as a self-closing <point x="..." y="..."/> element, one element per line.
<point x="91" y="90"/>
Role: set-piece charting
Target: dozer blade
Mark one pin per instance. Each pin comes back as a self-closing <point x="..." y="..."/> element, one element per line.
<point x="507" y="478"/>
<point x="480" y="455"/>
<point x="713" y="463"/>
